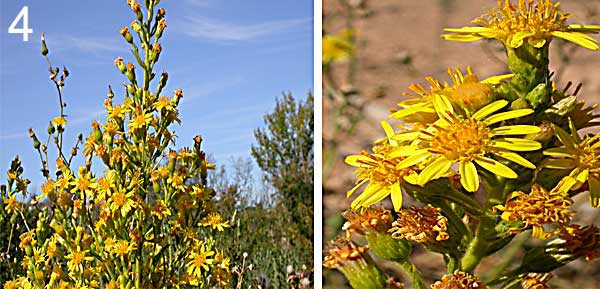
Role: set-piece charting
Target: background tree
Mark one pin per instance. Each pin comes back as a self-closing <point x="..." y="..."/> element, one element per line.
<point x="285" y="153"/>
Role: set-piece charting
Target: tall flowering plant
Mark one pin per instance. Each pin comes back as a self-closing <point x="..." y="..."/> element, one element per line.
<point x="489" y="159"/>
<point x="146" y="219"/>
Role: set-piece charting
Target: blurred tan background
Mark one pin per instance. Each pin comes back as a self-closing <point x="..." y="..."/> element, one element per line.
<point x="398" y="43"/>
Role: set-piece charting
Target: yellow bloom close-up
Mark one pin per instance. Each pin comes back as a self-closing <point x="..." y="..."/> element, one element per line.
<point x="199" y="261"/>
<point x="380" y="170"/>
<point x="534" y="22"/>
<point x="466" y="91"/>
<point x="467" y="141"/>
<point x="581" y="157"/>
<point x="215" y="221"/>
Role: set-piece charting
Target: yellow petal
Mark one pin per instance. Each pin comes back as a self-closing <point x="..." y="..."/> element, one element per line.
<point x="565" y="138"/>
<point x="516" y="40"/>
<point x="442" y="105"/>
<point x="461" y="37"/>
<point x="416" y="158"/>
<point x="508" y="115"/>
<point x="516" y="130"/>
<point x="416" y="108"/>
<point x="358" y="161"/>
<point x="372" y="190"/>
<point x="537" y="43"/>
<point x="389" y="132"/>
<point x="582" y="176"/>
<point x="497" y="79"/>
<point x="594" y="183"/>
<point x="515" y="158"/>
<point x="356" y="187"/>
<point x="468" y="29"/>
<point x="517" y="144"/>
<point x="560" y="164"/>
<point x="403" y="151"/>
<point x="397" y="197"/>
<point x="434" y="170"/>
<point x="566" y="184"/>
<point x="578" y="38"/>
<point x="406" y="136"/>
<point x="584" y="28"/>
<point x="558" y="152"/>
<point x="468" y="176"/>
<point x="489" y="109"/>
<point x="496" y="167"/>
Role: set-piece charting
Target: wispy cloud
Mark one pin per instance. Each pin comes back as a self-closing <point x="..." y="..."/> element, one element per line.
<point x="214" y="30"/>
<point x="87" y="44"/>
<point x="199" y="3"/>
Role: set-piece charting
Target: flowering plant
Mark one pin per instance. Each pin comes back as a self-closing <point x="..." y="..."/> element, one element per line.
<point x="148" y="220"/>
<point x="489" y="159"/>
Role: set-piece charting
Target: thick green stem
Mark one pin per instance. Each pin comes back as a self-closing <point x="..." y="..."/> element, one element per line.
<point x="478" y="247"/>
<point x="411" y="270"/>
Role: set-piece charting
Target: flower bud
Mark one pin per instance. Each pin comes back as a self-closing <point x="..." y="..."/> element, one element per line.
<point x="36" y="142"/>
<point x="136" y="26"/>
<point x="125" y="33"/>
<point x="355" y="263"/>
<point x="130" y="72"/>
<point x="162" y="24"/>
<point x="119" y="64"/>
<point x="44" y="47"/>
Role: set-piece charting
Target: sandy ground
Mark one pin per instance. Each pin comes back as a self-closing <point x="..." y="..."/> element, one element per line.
<point x="398" y="44"/>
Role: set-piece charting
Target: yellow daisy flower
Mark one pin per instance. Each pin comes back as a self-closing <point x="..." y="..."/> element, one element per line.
<point x="199" y="261"/>
<point x="467" y="141"/>
<point x="215" y="221"/>
<point x="140" y="121"/>
<point x="534" y="21"/>
<point x="11" y="204"/>
<point x="337" y="48"/>
<point x="122" y="248"/>
<point x="77" y="260"/>
<point x="582" y="157"/>
<point x="380" y="170"/>
<point x="59" y="121"/>
<point x="465" y="91"/>
<point x="121" y="202"/>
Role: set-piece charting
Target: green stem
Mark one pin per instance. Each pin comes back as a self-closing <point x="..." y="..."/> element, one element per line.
<point x="411" y="270"/>
<point x="478" y="247"/>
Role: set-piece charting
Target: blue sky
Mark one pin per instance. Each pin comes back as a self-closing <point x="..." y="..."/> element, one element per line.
<point x="231" y="58"/>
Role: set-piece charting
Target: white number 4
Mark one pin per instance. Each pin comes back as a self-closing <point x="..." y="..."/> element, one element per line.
<point x="24" y="14"/>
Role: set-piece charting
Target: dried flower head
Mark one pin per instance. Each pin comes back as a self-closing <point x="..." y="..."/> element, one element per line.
<point x="341" y="253"/>
<point x="458" y="280"/>
<point x="422" y="225"/>
<point x="536" y="209"/>
<point x="582" y="241"/>
<point x="534" y="21"/>
<point x="375" y="218"/>
<point x="536" y="281"/>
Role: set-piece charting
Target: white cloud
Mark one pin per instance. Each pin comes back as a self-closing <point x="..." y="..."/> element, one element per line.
<point x="86" y="44"/>
<point x="215" y="30"/>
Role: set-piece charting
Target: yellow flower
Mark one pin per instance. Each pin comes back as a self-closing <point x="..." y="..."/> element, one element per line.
<point x="343" y="253"/>
<point x="121" y="202"/>
<point x="199" y="261"/>
<point x="140" y="121"/>
<point x="77" y="260"/>
<point x="122" y="248"/>
<point x="375" y="218"/>
<point x="85" y="184"/>
<point x="160" y="210"/>
<point x="582" y="157"/>
<point x="11" y="204"/>
<point x="465" y="91"/>
<point x="337" y="48"/>
<point x="380" y="170"/>
<point x="163" y="102"/>
<point x="582" y="241"/>
<point x="11" y="284"/>
<point x="536" y="209"/>
<point x="421" y="225"/>
<point x="215" y="221"/>
<point x="47" y="189"/>
<point x="59" y="121"/>
<point x="467" y="141"/>
<point x="534" y="21"/>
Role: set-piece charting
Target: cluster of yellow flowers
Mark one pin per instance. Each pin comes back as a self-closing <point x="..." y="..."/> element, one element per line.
<point x="150" y="219"/>
<point x="511" y="140"/>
